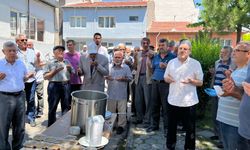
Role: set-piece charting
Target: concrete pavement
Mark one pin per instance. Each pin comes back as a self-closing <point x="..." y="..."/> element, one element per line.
<point x="136" y="138"/>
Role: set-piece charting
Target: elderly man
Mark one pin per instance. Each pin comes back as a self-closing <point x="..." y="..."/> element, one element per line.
<point x="183" y="74"/>
<point x="231" y="88"/>
<point x="118" y="78"/>
<point x="12" y="104"/>
<point x="143" y="84"/>
<point x="39" y="79"/>
<point x="224" y="63"/>
<point x="93" y="67"/>
<point x="228" y="107"/>
<point x="58" y="73"/>
<point x="159" y="87"/>
<point x="28" y="56"/>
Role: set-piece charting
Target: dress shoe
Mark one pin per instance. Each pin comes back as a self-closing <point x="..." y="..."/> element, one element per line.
<point x="136" y="121"/>
<point x="151" y="129"/>
<point x="119" y="130"/>
<point x="214" y="137"/>
<point x="220" y="145"/>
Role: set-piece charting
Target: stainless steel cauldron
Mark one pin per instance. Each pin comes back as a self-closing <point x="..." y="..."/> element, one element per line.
<point x="86" y="103"/>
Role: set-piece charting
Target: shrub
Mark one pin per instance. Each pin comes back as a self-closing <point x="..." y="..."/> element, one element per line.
<point x="206" y="50"/>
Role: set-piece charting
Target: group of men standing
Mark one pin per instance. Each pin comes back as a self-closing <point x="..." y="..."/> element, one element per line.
<point x="230" y="108"/>
<point x="165" y="82"/>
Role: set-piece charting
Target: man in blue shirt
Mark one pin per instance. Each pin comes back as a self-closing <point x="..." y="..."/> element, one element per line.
<point x="12" y="98"/>
<point x="159" y="87"/>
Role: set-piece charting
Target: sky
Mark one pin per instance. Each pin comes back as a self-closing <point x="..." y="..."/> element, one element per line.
<point x="197" y="1"/>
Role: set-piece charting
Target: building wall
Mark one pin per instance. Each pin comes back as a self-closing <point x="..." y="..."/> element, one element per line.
<point x="176" y="36"/>
<point x="38" y="10"/>
<point x="124" y="30"/>
<point x="176" y="10"/>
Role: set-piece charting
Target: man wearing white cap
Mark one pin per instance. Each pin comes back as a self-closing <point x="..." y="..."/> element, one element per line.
<point x="93" y="67"/>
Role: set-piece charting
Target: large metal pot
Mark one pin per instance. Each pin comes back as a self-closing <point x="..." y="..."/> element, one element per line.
<point x="86" y="103"/>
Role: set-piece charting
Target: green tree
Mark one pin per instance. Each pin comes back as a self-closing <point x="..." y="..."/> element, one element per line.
<point x="226" y="15"/>
<point x="206" y="50"/>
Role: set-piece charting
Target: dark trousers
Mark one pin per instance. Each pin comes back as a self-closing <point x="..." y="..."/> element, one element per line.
<point x="12" y="111"/>
<point x="143" y="100"/>
<point x="159" y="93"/>
<point x="133" y="110"/>
<point x="187" y="115"/>
<point x="57" y="92"/>
<point x="30" y="89"/>
<point x="73" y="87"/>
<point x="243" y="143"/>
<point x="216" y="125"/>
<point x="39" y="94"/>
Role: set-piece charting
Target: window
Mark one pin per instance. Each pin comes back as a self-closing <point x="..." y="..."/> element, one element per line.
<point x="79" y="45"/>
<point x="106" y="22"/>
<point x="40" y="30"/>
<point x="23" y="23"/>
<point x="32" y="27"/>
<point x="128" y="43"/>
<point x="78" y="22"/>
<point x="106" y="44"/>
<point x="226" y="42"/>
<point x="133" y="18"/>
<point x="19" y="24"/>
<point x="13" y="23"/>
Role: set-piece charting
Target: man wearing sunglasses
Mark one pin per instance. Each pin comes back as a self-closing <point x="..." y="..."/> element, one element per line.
<point x="241" y="92"/>
<point x="28" y="56"/>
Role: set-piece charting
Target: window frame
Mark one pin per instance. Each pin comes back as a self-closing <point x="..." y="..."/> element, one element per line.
<point x="104" y="22"/>
<point x="17" y="22"/>
<point x="75" y="22"/>
<point x="224" y="42"/>
<point x="134" y="20"/>
<point x="22" y="25"/>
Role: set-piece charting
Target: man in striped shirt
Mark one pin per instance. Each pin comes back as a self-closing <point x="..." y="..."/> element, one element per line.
<point x="221" y="65"/>
<point x="229" y="104"/>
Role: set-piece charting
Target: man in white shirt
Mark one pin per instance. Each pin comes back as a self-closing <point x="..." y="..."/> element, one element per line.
<point x="98" y="41"/>
<point x="183" y="74"/>
<point x="30" y="60"/>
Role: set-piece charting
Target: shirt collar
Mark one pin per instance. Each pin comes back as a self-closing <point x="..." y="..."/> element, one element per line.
<point x="186" y="61"/>
<point x="6" y="62"/>
<point x="113" y="65"/>
<point x="228" y="61"/>
<point x="55" y="60"/>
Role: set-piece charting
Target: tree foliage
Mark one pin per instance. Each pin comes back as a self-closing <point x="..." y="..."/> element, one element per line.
<point x="206" y="50"/>
<point x="226" y="15"/>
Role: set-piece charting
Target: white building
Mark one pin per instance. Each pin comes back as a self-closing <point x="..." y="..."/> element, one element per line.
<point x="175" y="10"/>
<point x="35" y="18"/>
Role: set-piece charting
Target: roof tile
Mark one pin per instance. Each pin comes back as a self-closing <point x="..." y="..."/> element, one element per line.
<point x="109" y="4"/>
<point x="172" y="27"/>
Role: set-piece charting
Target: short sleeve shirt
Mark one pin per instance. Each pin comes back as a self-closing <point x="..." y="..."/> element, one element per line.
<point x="15" y="73"/>
<point x="63" y="75"/>
<point x="181" y="94"/>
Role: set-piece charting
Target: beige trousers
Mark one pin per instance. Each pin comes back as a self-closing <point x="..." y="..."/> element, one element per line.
<point x="119" y="107"/>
